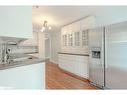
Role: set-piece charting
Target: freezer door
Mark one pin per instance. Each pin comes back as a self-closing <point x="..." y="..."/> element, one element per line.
<point x="116" y="56"/>
<point x="96" y="58"/>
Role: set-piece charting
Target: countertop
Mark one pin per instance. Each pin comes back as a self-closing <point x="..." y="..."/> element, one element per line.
<point x="14" y="64"/>
<point x="18" y="55"/>
<point x="73" y="54"/>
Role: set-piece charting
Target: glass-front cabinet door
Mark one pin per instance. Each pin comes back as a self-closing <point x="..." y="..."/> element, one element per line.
<point x="77" y="38"/>
<point x="85" y="38"/>
<point x="70" y="39"/>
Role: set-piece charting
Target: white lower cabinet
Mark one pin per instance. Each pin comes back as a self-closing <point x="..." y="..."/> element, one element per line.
<point x="27" y="77"/>
<point x="75" y="64"/>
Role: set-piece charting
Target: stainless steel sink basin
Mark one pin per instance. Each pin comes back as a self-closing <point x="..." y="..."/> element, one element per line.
<point x="22" y="58"/>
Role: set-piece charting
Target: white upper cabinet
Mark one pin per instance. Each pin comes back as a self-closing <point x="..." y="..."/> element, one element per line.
<point x="70" y="35"/>
<point x="88" y="23"/>
<point x="64" y="36"/>
<point x="85" y="38"/>
<point x="74" y="36"/>
<point x="76" y="26"/>
<point x="16" y="21"/>
<point x="63" y="30"/>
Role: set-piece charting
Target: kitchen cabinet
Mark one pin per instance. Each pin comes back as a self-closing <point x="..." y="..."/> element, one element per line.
<point x="85" y="38"/>
<point x="16" y="21"/>
<point x="76" y="26"/>
<point x="74" y="37"/>
<point x="63" y="37"/>
<point x="75" y="64"/>
<point x="70" y="39"/>
<point x="87" y="23"/>
<point x="77" y="38"/>
<point x="23" y="77"/>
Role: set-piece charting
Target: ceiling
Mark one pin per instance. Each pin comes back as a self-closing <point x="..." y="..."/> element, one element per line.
<point x="58" y="16"/>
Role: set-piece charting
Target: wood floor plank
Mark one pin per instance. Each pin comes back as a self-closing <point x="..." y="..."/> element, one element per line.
<point x="57" y="79"/>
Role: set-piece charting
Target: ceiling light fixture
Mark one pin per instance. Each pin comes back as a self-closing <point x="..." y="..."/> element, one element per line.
<point x="45" y="26"/>
<point x="35" y="6"/>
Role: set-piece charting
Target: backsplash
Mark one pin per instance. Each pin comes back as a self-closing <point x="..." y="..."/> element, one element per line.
<point x="21" y="49"/>
<point x="11" y="47"/>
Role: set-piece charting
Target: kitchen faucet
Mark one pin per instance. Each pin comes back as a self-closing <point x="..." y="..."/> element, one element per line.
<point x="6" y="53"/>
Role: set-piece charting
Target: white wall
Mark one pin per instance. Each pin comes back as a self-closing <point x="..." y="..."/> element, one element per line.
<point x="47" y="48"/>
<point x="109" y="15"/>
<point x="55" y="45"/>
<point x="48" y="44"/>
<point x="41" y="45"/>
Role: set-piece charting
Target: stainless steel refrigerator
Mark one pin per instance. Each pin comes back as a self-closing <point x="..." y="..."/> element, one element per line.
<point x="108" y="56"/>
<point x="96" y="58"/>
<point x="116" y="56"/>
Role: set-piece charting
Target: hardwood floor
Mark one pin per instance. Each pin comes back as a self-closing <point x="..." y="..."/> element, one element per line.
<point x="57" y="79"/>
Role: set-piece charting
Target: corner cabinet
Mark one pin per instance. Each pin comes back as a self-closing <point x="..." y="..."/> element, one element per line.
<point x="16" y="21"/>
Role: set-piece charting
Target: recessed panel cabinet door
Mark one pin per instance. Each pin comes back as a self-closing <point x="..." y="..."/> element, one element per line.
<point x="16" y="21"/>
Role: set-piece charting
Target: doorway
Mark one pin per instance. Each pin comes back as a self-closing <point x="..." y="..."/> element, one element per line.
<point x="47" y="49"/>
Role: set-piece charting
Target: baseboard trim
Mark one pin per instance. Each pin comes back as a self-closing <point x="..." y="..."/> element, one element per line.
<point x="73" y="75"/>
